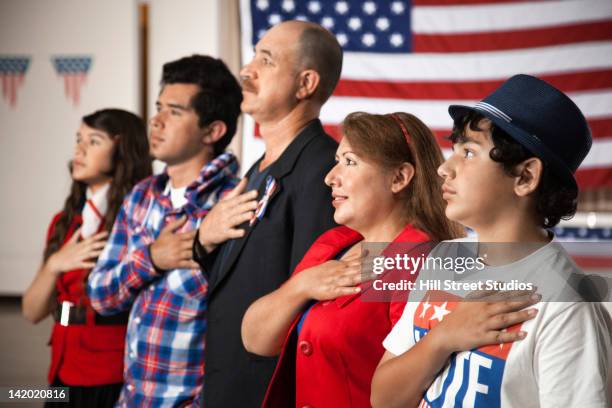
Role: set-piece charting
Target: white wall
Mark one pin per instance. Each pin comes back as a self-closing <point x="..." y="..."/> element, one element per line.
<point x="37" y="136"/>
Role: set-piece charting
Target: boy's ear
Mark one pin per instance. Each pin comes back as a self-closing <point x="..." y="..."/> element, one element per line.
<point x="308" y="83"/>
<point x="528" y="176"/>
<point x="402" y="177"/>
<point x="213" y="132"/>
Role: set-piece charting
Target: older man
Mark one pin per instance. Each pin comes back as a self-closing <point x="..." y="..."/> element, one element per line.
<point x="250" y="242"/>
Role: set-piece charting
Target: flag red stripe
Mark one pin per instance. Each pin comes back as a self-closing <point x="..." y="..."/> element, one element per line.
<point x="594" y="178"/>
<point x="593" y="261"/>
<point x="601" y="128"/>
<point x="470" y="90"/>
<point x="13" y="80"/>
<point x="515" y="39"/>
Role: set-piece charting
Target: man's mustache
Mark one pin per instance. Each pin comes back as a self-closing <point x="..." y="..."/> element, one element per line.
<point x="246" y="85"/>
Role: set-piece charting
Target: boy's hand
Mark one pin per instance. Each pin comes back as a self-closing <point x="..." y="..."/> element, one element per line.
<point x="219" y="225"/>
<point x="482" y="319"/>
<point x="172" y="250"/>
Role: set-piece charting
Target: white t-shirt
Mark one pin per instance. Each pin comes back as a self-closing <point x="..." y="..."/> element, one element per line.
<point x="561" y="363"/>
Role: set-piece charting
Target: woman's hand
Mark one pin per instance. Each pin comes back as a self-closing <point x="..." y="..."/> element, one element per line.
<point x="482" y="319"/>
<point x="77" y="255"/>
<point x="332" y="279"/>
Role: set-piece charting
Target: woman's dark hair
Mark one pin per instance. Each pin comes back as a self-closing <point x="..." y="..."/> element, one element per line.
<point x="219" y="97"/>
<point x="380" y="139"/>
<point x="131" y="163"/>
<point x="554" y="199"/>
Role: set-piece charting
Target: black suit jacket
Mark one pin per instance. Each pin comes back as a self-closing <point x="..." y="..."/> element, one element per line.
<point x="298" y="212"/>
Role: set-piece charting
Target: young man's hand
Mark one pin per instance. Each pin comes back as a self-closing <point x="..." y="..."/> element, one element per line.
<point x="172" y="250"/>
<point x="219" y="225"/>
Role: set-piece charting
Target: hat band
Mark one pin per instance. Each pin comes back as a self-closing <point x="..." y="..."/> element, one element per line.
<point x="493" y="111"/>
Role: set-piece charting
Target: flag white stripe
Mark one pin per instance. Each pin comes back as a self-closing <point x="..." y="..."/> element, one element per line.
<point x="477" y="65"/>
<point x="507" y="16"/>
<point x="435" y="112"/>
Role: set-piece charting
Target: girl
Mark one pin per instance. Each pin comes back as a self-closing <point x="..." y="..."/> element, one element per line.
<point x="111" y="155"/>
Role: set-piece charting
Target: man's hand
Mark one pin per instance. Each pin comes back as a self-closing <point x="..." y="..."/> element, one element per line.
<point x="220" y="223"/>
<point x="172" y="250"/>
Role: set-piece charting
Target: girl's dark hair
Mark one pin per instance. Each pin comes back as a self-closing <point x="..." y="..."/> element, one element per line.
<point x="131" y="162"/>
<point x="380" y="139"/>
<point x="554" y="199"/>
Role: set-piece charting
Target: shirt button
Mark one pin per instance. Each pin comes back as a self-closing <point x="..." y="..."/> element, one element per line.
<point x="130" y="387"/>
<point x="305" y="347"/>
<point x="137" y="320"/>
<point x="132" y="354"/>
<point x="152" y="288"/>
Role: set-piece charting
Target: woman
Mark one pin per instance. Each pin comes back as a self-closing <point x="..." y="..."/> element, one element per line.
<point x="385" y="189"/>
<point x="111" y="155"/>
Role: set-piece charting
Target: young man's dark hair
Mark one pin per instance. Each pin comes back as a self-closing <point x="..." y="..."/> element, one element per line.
<point x="555" y="198"/>
<point x="220" y="94"/>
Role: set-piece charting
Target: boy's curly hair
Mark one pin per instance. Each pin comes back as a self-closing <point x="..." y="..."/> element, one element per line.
<point x="554" y="199"/>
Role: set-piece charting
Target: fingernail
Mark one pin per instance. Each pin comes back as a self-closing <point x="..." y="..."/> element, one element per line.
<point x="536" y="297"/>
<point x="522" y="335"/>
<point x="357" y="289"/>
<point x="532" y="312"/>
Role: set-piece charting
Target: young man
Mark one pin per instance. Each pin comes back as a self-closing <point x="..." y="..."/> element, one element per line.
<point x="510" y="177"/>
<point x="147" y="264"/>
<point x="294" y="71"/>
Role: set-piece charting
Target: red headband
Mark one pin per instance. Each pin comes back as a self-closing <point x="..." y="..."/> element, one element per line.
<point x="402" y="126"/>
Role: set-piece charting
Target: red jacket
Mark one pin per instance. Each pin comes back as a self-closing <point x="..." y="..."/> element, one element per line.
<point x="332" y="360"/>
<point x="83" y="355"/>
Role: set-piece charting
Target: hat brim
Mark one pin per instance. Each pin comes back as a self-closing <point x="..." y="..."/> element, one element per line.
<point x="529" y="141"/>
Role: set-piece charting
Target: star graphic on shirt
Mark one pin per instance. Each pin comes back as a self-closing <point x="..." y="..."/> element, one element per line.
<point x="439" y="312"/>
<point x="426" y="306"/>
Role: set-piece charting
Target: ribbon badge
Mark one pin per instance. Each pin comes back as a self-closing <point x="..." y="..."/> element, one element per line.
<point x="271" y="185"/>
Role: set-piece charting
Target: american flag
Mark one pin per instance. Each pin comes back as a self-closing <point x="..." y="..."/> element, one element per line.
<point x="12" y="73"/>
<point x="74" y="72"/>
<point x="424" y="55"/>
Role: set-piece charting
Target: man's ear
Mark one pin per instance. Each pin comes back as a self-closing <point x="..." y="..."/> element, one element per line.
<point x="402" y="177"/>
<point x="308" y="83"/>
<point x="213" y="132"/>
<point x="528" y="176"/>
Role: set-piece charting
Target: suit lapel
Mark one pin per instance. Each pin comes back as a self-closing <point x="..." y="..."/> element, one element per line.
<point x="278" y="170"/>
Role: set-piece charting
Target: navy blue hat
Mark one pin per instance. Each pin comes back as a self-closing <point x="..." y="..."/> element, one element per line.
<point x="541" y="118"/>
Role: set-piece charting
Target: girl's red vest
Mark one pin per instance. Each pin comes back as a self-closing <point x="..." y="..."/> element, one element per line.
<point x="84" y="354"/>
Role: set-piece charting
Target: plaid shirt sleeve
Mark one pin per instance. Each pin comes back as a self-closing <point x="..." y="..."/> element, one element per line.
<point x="120" y="274"/>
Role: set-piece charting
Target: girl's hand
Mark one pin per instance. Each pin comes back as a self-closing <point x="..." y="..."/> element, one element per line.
<point x="77" y="255"/>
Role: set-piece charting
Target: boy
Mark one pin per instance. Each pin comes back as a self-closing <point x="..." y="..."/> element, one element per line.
<point x="509" y="178"/>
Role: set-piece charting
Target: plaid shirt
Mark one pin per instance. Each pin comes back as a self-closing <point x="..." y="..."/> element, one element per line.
<point x="164" y="351"/>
